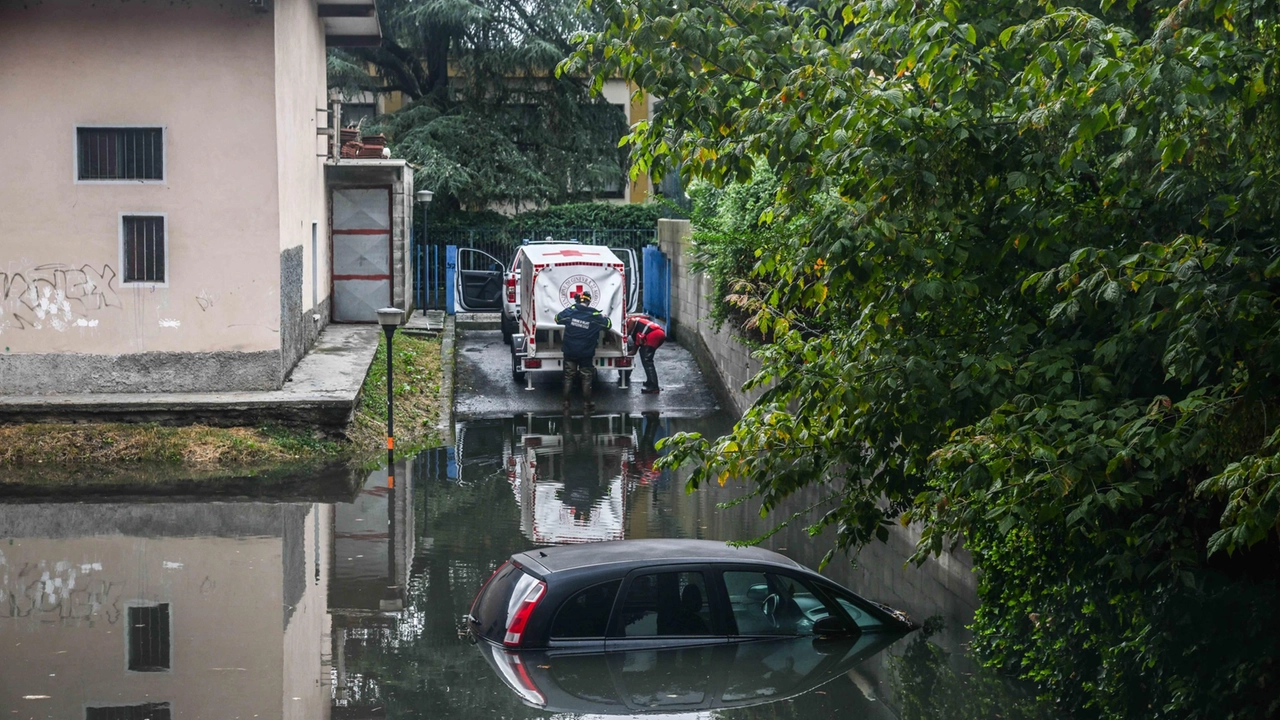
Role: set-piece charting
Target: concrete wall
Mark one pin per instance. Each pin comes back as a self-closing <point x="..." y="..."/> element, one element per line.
<point x="301" y="89"/>
<point x="724" y="358"/>
<point x="944" y="586"/>
<point x="202" y="70"/>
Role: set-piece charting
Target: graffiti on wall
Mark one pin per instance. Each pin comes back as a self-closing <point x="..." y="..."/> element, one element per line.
<point x="58" y="592"/>
<point x="56" y="296"/>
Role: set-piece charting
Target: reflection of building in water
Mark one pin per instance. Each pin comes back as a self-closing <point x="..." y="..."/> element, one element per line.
<point x="373" y="546"/>
<point x="164" y="610"/>
<point x="570" y="478"/>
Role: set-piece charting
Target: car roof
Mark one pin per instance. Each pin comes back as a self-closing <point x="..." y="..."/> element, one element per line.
<point x="642" y="552"/>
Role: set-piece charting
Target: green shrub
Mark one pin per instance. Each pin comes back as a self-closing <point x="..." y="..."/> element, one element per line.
<point x="573" y="216"/>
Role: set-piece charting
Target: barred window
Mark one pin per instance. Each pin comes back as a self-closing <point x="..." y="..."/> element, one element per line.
<point x="146" y="711"/>
<point x="149" y="638"/>
<point x="143" y="248"/>
<point x="120" y="153"/>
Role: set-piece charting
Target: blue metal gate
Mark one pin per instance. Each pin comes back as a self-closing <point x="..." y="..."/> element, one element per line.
<point x="657" y="284"/>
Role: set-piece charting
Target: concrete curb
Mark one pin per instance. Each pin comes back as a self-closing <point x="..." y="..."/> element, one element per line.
<point x="322" y="392"/>
<point x="448" y="366"/>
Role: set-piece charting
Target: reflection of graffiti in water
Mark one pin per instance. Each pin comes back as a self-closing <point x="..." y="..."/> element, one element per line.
<point x="56" y="296"/>
<point x="63" y="592"/>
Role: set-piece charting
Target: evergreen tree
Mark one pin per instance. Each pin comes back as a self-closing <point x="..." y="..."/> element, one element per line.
<point x="486" y="119"/>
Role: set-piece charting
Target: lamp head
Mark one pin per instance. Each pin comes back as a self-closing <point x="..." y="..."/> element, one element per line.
<point x="424" y="196"/>
<point x="389" y="318"/>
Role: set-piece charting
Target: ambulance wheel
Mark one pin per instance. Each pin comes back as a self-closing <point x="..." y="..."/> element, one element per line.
<point x="508" y="329"/>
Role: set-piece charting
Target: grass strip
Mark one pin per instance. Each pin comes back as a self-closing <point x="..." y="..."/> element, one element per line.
<point x="51" y="453"/>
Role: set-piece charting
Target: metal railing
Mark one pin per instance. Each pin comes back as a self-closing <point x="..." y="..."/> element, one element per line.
<point x="501" y="242"/>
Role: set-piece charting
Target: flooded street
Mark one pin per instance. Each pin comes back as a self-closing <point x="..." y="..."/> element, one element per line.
<point x="248" y="609"/>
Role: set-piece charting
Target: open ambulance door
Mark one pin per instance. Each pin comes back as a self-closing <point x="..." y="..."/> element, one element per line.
<point x="478" y="281"/>
<point x="630" y="261"/>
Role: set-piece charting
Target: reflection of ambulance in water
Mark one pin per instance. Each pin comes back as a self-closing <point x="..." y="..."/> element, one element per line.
<point x="571" y="488"/>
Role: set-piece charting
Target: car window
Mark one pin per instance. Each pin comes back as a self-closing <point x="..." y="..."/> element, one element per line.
<point x="856" y="610"/>
<point x="586" y="614"/>
<point x="666" y="604"/>
<point x="772" y="604"/>
<point x="490" y="611"/>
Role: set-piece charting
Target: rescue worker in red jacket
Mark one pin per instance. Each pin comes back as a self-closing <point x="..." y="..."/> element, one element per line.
<point x="647" y="335"/>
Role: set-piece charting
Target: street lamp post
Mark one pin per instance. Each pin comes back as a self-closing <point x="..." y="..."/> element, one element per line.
<point x="389" y="318"/>
<point x="424" y="199"/>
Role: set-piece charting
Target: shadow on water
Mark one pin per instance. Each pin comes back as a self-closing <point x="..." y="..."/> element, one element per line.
<point x="349" y="608"/>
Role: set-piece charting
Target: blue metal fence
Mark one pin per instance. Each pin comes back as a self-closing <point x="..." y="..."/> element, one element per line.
<point x="431" y="263"/>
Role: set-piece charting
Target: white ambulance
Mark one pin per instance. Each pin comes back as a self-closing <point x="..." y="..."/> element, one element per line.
<point x="550" y="276"/>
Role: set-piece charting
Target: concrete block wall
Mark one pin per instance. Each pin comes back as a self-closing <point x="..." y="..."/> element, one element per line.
<point x="944" y="586"/>
<point x="725" y="358"/>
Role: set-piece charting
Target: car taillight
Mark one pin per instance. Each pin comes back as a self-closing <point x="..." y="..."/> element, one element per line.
<point x="520" y="618"/>
<point x="624" y="362"/>
<point x="533" y="363"/>
<point x="511" y="289"/>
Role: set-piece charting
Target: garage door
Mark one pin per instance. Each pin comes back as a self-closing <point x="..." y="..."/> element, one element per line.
<point x="361" y="253"/>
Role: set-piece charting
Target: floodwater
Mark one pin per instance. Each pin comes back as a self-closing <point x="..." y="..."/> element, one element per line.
<point x="299" y="609"/>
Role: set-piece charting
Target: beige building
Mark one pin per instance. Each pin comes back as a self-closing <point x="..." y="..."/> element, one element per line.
<point x="164" y="217"/>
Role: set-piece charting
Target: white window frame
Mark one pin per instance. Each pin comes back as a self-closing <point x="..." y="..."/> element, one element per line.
<point x="145" y="604"/>
<point x="168" y="246"/>
<point x="164" y="154"/>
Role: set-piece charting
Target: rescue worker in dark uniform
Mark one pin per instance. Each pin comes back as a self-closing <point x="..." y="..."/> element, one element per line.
<point x="582" y="326"/>
<point x="644" y="333"/>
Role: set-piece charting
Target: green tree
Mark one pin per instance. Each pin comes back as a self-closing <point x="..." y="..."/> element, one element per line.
<point x="1026" y="296"/>
<point x="486" y="119"/>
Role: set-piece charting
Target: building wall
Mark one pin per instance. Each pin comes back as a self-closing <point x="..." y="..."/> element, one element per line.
<point x="306" y="633"/>
<point x="726" y="360"/>
<point x="301" y="90"/>
<point x="68" y="597"/>
<point x="205" y="71"/>
<point x="637" y="107"/>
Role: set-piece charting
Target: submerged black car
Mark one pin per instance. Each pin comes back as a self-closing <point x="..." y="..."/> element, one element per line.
<point x="639" y="594"/>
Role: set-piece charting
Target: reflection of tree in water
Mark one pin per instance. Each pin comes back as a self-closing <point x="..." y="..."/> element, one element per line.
<point x="419" y="667"/>
<point x="926" y="687"/>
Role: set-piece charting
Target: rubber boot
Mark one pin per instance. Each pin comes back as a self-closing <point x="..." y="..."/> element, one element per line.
<point x="570" y="371"/>
<point x="588" y="380"/>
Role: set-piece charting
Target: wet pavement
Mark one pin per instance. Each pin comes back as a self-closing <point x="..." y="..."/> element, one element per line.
<point x="486" y="389"/>
<point x="248" y="609"/>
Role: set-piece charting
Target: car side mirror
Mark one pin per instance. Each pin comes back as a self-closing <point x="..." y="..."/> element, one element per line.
<point x="831" y="626"/>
